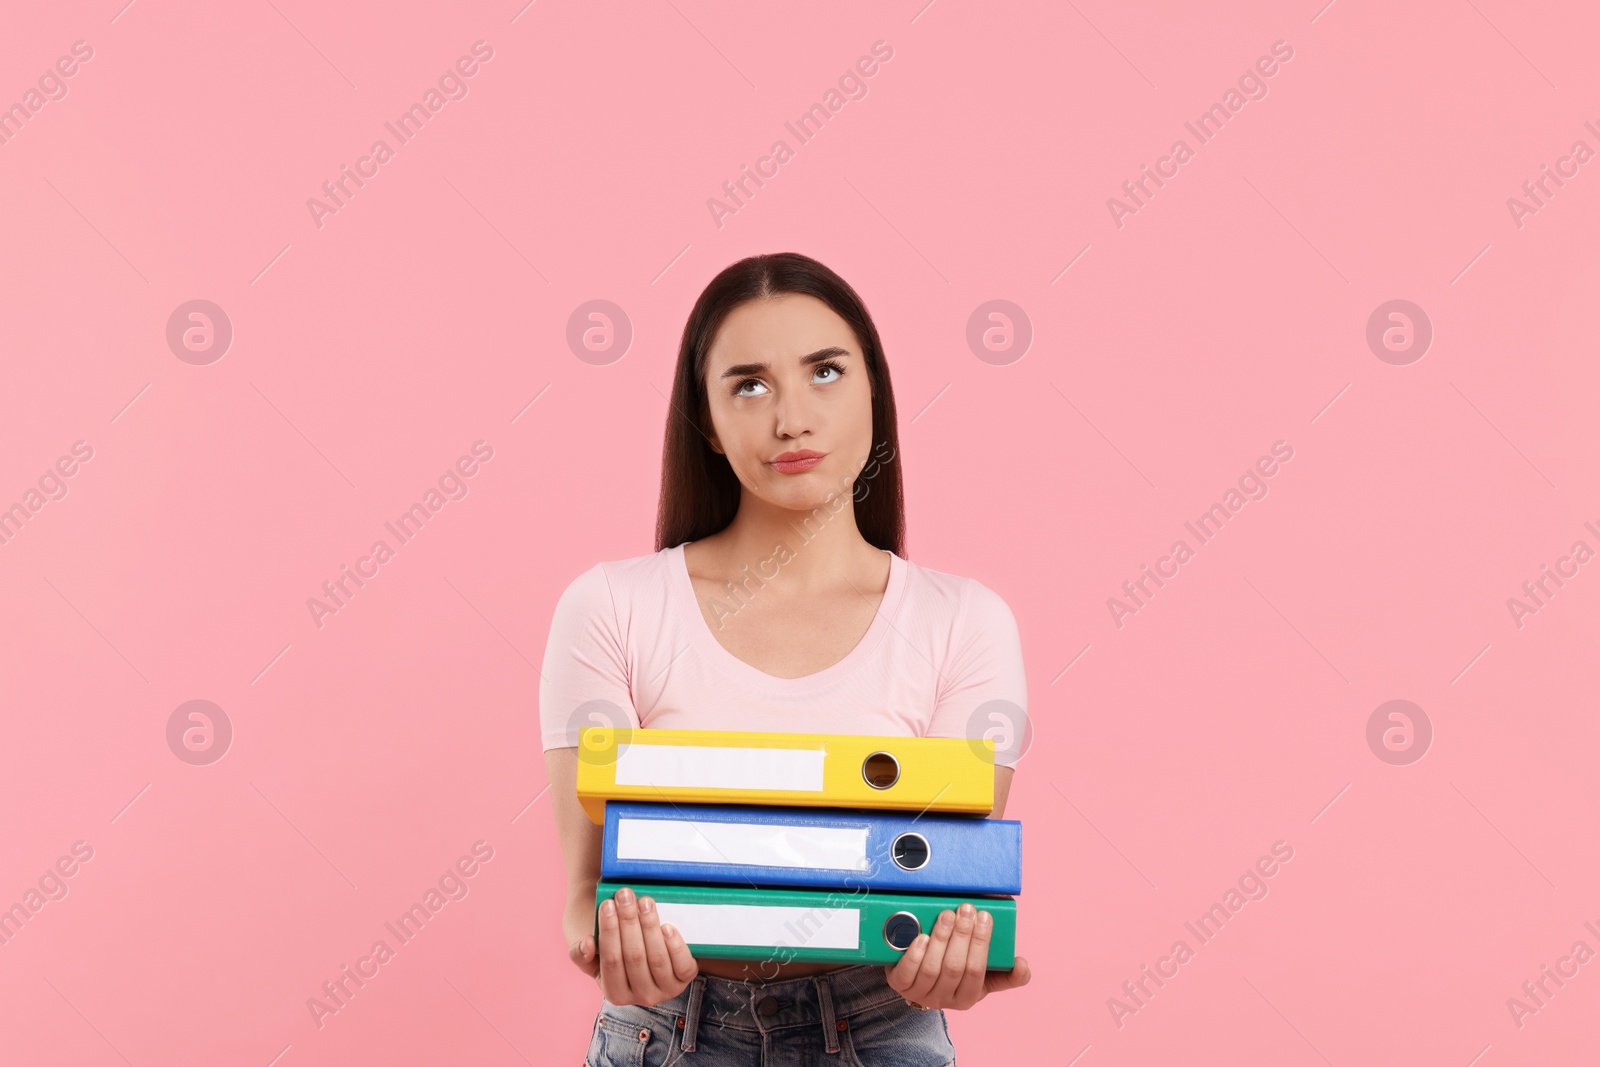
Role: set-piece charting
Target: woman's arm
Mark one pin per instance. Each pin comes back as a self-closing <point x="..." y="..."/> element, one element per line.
<point x="580" y="855"/>
<point x="1002" y="790"/>
<point x="640" y="960"/>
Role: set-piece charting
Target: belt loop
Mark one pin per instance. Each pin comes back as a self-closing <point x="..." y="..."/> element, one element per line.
<point x="691" y="1022"/>
<point x="830" y="1028"/>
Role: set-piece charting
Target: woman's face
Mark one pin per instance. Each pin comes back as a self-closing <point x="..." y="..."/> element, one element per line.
<point x="785" y="375"/>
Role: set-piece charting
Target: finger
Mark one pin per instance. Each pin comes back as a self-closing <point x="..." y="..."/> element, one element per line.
<point x="634" y="961"/>
<point x="586" y="955"/>
<point x="655" y="946"/>
<point x="1018" y="975"/>
<point x="613" y="972"/>
<point x="902" y="975"/>
<point x="971" y="987"/>
<point x="933" y="959"/>
<point x="954" y="964"/>
<point x="684" y="965"/>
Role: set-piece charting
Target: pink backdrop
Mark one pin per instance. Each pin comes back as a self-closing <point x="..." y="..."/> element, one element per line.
<point x="180" y="488"/>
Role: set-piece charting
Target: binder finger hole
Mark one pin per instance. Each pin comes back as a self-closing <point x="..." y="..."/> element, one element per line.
<point x="881" y="770"/>
<point x="901" y="929"/>
<point x="910" y="851"/>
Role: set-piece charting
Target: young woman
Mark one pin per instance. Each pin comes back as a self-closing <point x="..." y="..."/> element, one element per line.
<point x="779" y="599"/>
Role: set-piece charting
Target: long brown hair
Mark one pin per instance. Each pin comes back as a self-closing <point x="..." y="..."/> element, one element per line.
<point x="699" y="491"/>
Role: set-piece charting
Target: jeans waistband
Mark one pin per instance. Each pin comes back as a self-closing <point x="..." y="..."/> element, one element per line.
<point x="815" y="1000"/>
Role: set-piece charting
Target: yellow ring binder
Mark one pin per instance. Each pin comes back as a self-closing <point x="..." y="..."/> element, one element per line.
<point x="944" y="774"/>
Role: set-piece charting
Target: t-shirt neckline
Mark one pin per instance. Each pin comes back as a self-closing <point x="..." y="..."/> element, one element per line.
<point x="700" y="631"/>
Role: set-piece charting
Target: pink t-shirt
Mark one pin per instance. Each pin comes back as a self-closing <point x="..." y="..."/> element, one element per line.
<point x="629" y="633"/>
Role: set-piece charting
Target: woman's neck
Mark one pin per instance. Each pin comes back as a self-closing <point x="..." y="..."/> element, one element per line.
<point x="810" y="549"/>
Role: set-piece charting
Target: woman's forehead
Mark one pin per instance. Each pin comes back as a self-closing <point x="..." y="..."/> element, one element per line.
<point x="782" y="330"/>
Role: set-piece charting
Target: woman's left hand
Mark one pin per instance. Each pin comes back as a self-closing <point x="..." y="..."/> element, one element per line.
<point x="949" y="968"/>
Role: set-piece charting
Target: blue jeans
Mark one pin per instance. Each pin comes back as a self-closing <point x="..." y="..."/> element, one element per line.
<point x="850" y="1017"/>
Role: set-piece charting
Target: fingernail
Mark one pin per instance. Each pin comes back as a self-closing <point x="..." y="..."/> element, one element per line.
<point x="625" y="894"/>
<point x="967" y="910"/>
<point x="645" y="904"/>
<point x="984" y="918"/>
<point x="668" y="930"/>
<point x="607" y="908"/>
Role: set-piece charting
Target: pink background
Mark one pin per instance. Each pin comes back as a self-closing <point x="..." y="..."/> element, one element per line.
<point x="431" y="311"/>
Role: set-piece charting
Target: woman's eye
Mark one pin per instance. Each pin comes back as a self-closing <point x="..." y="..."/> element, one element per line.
<point x="833" y="371"/>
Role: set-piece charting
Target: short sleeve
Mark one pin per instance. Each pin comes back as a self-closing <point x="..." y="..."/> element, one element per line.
<point x="982" y="688"/>
<point x="584" y="680"/>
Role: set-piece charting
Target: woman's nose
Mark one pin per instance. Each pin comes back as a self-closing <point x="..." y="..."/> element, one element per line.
<point x="793" y="413"/>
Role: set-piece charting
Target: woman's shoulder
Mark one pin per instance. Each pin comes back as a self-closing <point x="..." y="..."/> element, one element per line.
<point x="616" y="580"/>
<point x="633" y="567"/>
<point x="958" y="598"/>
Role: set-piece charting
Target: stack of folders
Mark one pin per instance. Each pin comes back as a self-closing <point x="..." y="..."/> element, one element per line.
<point x="822" y="848"/>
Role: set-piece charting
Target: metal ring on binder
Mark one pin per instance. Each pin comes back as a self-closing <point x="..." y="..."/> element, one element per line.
<point x="877" y="774"/>
<point x="910" y="852"/>
<point x="901" y="929"/>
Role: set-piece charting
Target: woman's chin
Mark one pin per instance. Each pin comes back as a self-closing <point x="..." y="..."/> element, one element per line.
<point x="817" y="500"/>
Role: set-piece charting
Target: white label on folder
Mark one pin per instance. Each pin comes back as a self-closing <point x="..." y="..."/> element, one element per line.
<point x="713" y="766"/>
<point x="757" y="844"/>
<point x="764" y="925"/>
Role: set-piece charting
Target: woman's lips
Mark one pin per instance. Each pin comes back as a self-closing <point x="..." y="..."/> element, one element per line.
<point x="796" y="466"/>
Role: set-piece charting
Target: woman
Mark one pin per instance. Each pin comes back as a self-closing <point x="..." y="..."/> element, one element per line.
<point x="778" y="599"/>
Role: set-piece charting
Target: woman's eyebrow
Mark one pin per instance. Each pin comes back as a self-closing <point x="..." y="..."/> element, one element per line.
<point x="740" y="370"/>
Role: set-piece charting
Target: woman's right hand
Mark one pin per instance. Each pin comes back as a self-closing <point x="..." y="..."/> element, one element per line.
<point x="640" y="961"/>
